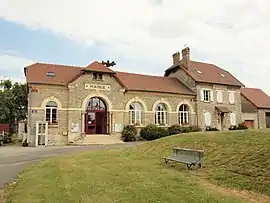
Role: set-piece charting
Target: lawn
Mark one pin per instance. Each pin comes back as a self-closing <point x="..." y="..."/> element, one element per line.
<point x="234" y="161"/>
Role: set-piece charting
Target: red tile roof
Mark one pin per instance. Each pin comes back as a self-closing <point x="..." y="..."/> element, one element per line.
<point x="209" y="73"/>
<point x="37" y="73"/>
<point x="98" y="67"/>
<point x="257" y="97"/>
<point x="140" y="82"/>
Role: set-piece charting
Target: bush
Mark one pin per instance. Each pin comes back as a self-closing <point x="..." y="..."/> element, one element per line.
<point x="242" y="126"/>
<point x="211" y="129"/>
<point x="174" y="129"/>
<point x="129" y="133"/>
<point x="177" y="129"/>
<point x="152" y="132"/>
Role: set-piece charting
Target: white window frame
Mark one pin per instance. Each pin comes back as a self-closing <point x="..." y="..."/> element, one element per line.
<point x="185" y="115"/>
<point x="134" y="114"/>
<point x="161" y="113"/>
<point x="210" y="96"/>
<point x="51" y="110"/>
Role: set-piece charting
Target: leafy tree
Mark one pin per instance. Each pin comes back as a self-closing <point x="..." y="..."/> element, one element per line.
<point x="13" y="102"/>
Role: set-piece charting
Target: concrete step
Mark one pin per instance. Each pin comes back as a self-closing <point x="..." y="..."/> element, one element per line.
<point x="99" y="139"/>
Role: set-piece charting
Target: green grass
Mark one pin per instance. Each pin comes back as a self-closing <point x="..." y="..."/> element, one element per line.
<point x="236" y="160"/>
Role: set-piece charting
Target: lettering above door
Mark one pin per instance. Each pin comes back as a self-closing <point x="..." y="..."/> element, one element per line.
<point x="97" y="87"/>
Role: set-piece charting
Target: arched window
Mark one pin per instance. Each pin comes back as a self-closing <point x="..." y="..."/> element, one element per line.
<point x="135" y="113"/>
<point x="183" y="115"/>
<point x="161" y="114"/>
<point x="96" y="104"/>
<point x="51" y="112"/>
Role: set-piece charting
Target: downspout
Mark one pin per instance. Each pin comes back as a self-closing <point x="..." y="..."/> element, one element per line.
<point x="258" y="117"/>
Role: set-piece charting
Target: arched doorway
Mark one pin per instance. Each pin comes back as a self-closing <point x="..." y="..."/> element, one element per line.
<point x="96" y="117"/>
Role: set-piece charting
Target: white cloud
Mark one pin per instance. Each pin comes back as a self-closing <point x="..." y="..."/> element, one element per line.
<point x="229" y="33"/>
<point x="12" y="67"/>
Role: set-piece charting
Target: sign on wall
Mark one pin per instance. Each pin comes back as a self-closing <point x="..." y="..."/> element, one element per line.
<point x="74" y="127"/>
<point x="118" y="128"/>
<point x="97" y="87"/>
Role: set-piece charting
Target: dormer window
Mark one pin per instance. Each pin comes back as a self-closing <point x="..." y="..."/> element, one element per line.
<point x="222" y="75"/>
<point x="197" y="71"/>
<point x="51" y="74"/>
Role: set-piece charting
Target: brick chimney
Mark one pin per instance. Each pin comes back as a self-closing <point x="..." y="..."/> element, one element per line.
<point x="176" y="58"/>
<point x="186" y="57"/>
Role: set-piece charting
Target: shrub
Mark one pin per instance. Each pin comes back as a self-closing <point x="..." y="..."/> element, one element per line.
<point x="233" y="128"/>
<point x="129" y="133"/>
<point x="174" y="129"/>
<point x="152" y="132"/>
<point x="177" y="129"/>
<point x="242" y="126"/>
<point x="211" y="129"/>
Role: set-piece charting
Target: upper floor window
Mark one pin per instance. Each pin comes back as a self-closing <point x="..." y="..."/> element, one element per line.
<point x="206" y="95"/>
<point x="97" y="76"/>
<point x="135" y="113"/>
<point x="183" y="115"/>
<point x="161" y="114"/>
<point x="51" y="112"/>
<point x="219" y="96"/>
<point x="231" y="98"/>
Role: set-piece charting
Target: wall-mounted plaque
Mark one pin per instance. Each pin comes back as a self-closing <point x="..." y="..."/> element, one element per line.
<point x="118" y="128"/>
<point x="97" y="87"/>
<point x="74" y="127"/>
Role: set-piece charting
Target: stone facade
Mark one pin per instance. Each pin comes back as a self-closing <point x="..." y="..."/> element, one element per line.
<point x="72" y="102"/>
<point x="202" y="106"/>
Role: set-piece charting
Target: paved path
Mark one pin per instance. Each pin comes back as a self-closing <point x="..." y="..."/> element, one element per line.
<point x="14" y="159"/>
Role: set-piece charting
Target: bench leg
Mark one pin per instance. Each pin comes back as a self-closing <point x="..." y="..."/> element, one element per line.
<point x="166" y="161"/>
<point x="188" y="166"/>
<point x="200" y="165"/>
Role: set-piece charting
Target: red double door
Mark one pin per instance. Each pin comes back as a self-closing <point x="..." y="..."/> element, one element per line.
<point x="97" y="122"/>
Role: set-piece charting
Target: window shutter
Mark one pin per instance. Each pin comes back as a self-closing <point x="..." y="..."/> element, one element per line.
<point x="211" y="95"/>
<point x="219" y="97"/>
<point x="202" y="96"/>
<point x="207" y="119"/>
<point x="231" y="97"/>
<point x="233" y="119"/>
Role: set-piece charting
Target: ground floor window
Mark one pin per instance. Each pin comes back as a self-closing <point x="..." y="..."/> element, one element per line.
<point x="183" y="115"/>
<point x="135" y="113"/>
<point x="161" y="114"/>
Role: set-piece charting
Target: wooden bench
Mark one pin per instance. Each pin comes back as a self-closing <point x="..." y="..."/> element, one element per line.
<point x="190" y="157"/>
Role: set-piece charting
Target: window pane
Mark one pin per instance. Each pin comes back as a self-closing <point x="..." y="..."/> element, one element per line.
<point x="51" y="104"/>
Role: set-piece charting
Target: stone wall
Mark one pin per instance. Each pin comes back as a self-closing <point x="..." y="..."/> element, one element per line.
<point x="72" y="102"/>
<point x="251" y="116"/>
<point x="203" y="107"/>
<point x="262" y="117"/>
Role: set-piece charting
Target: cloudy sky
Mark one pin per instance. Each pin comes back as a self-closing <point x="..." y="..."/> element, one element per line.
<point x="140" y="35"/>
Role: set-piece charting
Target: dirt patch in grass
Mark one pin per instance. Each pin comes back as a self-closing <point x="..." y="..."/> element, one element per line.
<point x="248" y="196"/>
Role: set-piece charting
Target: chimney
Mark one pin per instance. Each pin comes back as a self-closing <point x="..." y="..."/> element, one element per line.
<point x="186" y="57"/>
<point x="176" y="58"/>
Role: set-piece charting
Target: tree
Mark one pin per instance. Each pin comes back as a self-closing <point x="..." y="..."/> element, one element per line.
<point x="13" y="102"/>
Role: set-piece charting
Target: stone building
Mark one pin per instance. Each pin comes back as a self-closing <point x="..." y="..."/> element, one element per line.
<point x="255" y="108"/>
<point x="92" y="104"/>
